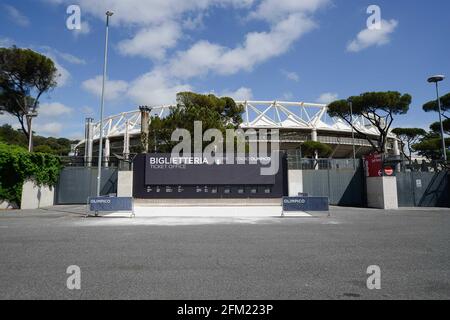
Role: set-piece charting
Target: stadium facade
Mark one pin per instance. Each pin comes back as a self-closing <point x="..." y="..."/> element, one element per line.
<point x="297" y="122"/>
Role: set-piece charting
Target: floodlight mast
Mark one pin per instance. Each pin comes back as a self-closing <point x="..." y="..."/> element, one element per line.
<point x="436" y="79"/>
<point x="100" y="147"/>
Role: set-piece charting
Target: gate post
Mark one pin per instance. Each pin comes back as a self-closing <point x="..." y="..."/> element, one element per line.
<point x="382" y="192"/>
<point x="89" y="140"/>
<point x="125" y="183"/>
<point x="295" y="182"/>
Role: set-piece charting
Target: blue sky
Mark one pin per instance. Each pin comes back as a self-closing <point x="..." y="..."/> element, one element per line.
<point x="296" y="50"/>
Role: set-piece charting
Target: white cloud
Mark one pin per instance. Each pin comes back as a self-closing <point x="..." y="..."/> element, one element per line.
<point x="152" y="42"/>
<point x="71" y="58"/>
<point x="240" y="94"/>
<point x="154" y="88"/>
<point x="85" y="29"/>
<point x="149" y="12"/>
<point x="16" y="16"/>
<point x="49" y="51"/>
<point x="6" y="42"/>
<point x="287" y="96"/>
<point x="290" y="75"/>
<point x="327" y="97"/>
<point x="194" y="23"/>
<point x="156" y="31"/>
<point x="273" y="10"/>
<point x="373" y="37"/>
<point x="41" y="125"/>
<point x="204" y="57"/>
<point x="87" y="111"/>
<point x="47" y="129"/>
<point x="63" y="74"/>
<point x="167" y="17"/>
<point x="54" y="109"/>
<point x="76" y="136"/>
<point x="7" y="118"/>
<point x="113" y="88"/>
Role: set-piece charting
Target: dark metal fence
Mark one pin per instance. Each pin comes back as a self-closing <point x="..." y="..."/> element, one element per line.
<point x="341" y="180"/>
<point x="113" y="162"/>
<point x="423" y="189"/>
<point x="76" y="184"/>
<point x="297" y="162"/>
<point x="423" y="166"/>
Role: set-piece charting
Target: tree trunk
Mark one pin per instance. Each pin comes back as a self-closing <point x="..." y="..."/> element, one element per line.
<point x="30" y="134"/>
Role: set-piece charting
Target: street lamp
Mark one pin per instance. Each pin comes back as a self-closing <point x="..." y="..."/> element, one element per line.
<point x="30" y="115"/>
<point x="353" y="133"/>
<point x="436" y="79"/>
<point x="100" y="148"/>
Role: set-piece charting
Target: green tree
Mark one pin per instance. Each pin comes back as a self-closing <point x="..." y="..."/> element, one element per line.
<point x="25" y="76"/>
<point x="436" y="127"/>
<point x="17" y="165"/>
<point x="44" y="149"/>
<point x="378" y="108"/>
<point x="11" y="136"/>
<point x="57" y="146"/>
<point x="214" y="113"/>
<point x="409" y="137"/>
<point x="431" y="148"/>
<point x="311" y="148"/>
<point x="432" y="105"/>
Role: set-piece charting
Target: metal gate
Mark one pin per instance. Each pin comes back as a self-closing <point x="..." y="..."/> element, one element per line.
<point x="343" y="186"/>
<point x="76" y="184"/>
<point x="423" y="189"/>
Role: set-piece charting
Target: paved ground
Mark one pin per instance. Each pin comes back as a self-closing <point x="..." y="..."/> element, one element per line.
<point x="227" y="258"/>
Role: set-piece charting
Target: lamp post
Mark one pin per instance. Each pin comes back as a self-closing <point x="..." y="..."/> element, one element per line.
<point x="353" y="133"/>
<point x="30" y="115"/>
<point x="100" y="151"/>
<point x="436" y="79"/>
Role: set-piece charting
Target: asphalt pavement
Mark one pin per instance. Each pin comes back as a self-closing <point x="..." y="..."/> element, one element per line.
<point x="317" y="257"/>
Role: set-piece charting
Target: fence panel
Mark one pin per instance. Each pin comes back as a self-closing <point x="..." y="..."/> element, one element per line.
<point x="347" y="187"/>
<point x="405" y="190"/>
<point x="76" y="184"/>
<point x="423" y="189"/>
<point x="343" y="187"/>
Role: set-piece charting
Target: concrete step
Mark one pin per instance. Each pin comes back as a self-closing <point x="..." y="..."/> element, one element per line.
<point x="207" y="202"/>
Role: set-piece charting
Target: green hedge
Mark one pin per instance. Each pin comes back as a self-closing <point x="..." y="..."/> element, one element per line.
<point x="17" y="165"/>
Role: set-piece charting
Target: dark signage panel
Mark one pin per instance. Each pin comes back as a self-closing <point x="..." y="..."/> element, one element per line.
<point x="107" y="204"/>
<point x="298" y="204"/>
<point x="157" y="176"/>
<point x="161" y="170"/>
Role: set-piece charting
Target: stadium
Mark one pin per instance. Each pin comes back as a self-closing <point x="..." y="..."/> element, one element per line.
<point x="297" y="122"/>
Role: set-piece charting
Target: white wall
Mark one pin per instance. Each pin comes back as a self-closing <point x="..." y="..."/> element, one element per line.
<point x="390" y="193"/>
<point x="125" y="184"/>
<point x="295" y="182"/>
<point x="5" y="205"/>
<point x="382" y="192"/>
<point x="34" y="196"/>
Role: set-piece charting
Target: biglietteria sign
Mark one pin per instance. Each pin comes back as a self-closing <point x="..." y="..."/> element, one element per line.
<point x="167" y="170"/>
<point x="178" y="161"/>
